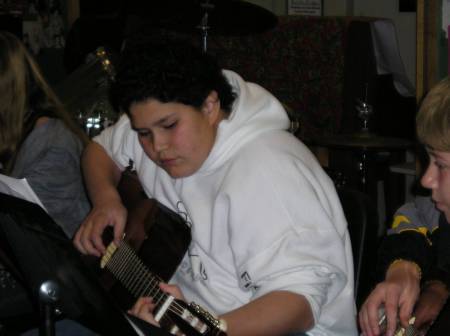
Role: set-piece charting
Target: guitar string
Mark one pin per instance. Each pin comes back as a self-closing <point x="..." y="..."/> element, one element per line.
<point x="155" y="292"/>
<point x="133" y="277"/>
<point x="139" y="266"/>
<point x="123" y="260"/>
<point x="120" y="265"/>
<point x="141" y="284"/>
<point x="123" y="269"/>
<point x="116" y="266"/>
<point x="125" y="256"/>
<point x="142" y="276"/>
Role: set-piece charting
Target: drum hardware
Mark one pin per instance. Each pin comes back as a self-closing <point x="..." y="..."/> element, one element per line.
<point x="49" y="294"/>
<point x="364" y="112"/>
<point x="219" y="17"/>
<point x="203" y="26"/>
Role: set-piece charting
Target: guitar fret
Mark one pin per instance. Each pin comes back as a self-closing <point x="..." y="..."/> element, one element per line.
<point x="147" y="279"/>
<point x="140" y="274"/>
<point x="142" y="278"/>
<point x="145" y="290"/>
<point x="124" y="274"/>
<point x="132" y="278"/>
<point x="121" y="265"/>
<point x="122" y="262"/>
<point x="149" y="286"/>
<point x="114" y="265"/>
<point x="155" y="292"/>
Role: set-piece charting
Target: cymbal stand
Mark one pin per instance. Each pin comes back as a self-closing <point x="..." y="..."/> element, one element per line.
<point x="364" y="112"/>
<point x="49" y="295"/>
<point x="206" y="6"/>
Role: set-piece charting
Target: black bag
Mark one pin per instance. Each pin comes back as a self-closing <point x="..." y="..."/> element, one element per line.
<point x="42" y="252"/>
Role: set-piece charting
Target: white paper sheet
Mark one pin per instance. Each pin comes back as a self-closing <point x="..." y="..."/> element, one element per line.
<point x="19" y="188"/>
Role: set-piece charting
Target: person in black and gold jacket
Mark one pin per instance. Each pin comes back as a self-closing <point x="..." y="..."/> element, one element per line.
<point x="414" y="258"/>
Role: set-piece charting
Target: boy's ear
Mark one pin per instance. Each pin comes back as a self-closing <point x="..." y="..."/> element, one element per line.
<point x="211" y="105"/>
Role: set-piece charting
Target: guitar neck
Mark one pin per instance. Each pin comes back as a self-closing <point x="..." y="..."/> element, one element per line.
<point x="127" y="267"/>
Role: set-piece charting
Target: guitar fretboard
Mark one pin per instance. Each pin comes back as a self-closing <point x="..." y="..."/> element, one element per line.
<point x="129" y="269"/>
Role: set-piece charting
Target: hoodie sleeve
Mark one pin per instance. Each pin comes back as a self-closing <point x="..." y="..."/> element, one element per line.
<point x="292" y="234"/>
<point x="119" y="142"/>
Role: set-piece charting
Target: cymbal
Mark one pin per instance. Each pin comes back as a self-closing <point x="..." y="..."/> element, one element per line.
<point x="224" y="17"/>
<point x="363" y="140"/>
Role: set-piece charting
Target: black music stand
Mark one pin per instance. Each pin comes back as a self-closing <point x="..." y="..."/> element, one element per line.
<point x="41" y="252"/>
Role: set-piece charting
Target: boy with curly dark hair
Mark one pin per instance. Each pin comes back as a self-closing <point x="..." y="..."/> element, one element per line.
<point x="270" y="250"/>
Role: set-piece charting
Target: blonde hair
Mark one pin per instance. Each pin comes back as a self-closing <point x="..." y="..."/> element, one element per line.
<point x="20" y="76"/>
<point x="433" y="118"/>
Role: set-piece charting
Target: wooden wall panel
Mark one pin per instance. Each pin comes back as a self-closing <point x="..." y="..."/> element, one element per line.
<point x="428" y="12"/>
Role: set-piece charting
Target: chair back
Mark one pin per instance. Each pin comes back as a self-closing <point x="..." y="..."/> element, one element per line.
<point x="362" y="218"/>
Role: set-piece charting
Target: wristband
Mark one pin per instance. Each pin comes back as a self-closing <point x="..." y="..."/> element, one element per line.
<point x="416" y="266"/>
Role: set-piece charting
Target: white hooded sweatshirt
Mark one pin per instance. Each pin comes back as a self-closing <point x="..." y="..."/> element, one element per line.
<point x="264" y="216"/>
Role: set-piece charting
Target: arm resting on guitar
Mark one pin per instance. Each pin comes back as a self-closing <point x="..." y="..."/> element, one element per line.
<point x="276" y="313"/>
<point x="101" y="176"/>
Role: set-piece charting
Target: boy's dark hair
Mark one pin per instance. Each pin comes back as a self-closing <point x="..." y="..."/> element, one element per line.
<point x="168" y="70"/>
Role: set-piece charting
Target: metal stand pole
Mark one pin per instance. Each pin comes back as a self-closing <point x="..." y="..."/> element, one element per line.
<point x="206" y="6"/>
<point x="48" y="297"/>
